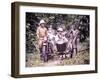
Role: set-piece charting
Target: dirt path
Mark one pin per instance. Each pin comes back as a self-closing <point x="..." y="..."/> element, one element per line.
<point x="82" y="57"/>
<point x="53" y="63"/>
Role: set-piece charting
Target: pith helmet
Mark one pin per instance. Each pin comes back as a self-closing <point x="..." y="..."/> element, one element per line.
<point x="42" y="21"/>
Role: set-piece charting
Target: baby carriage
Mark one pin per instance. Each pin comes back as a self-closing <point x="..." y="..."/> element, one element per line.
<point x="61" y="48"/>
<point x="61" y="45"/>
<point x="65" y="46"/>
<point x="65" y="49"/>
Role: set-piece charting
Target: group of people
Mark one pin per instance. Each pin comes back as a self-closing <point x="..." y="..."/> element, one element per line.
<point x="63" y="41"/>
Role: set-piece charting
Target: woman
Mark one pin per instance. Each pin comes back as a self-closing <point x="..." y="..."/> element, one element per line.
<point x="61" y="42"/>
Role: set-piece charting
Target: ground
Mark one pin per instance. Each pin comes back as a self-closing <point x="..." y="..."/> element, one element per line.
<point x="82" y="57"/>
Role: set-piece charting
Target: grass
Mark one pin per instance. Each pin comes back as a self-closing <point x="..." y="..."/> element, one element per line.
<point x="33" y="60"/>
<point x="82" y="57"/>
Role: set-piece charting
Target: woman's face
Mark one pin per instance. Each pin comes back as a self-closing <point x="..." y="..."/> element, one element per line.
<point x="60" y="32"/>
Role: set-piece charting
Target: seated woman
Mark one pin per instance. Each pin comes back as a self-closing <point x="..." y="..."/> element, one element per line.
<point x="61" y="42"/>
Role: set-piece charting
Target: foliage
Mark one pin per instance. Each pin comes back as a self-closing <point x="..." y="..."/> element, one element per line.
<point x="56" y="20"/>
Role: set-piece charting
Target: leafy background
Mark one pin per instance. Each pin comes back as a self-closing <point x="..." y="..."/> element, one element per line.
<point x="56" y="20"/>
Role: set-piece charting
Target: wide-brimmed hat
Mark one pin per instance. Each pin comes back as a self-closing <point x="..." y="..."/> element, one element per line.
<point x="42" y="21"/>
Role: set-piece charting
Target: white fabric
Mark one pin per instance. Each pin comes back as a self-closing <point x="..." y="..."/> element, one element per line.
<point x="60" y="40"/>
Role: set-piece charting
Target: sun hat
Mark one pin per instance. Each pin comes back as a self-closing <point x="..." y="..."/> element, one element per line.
<point x="60" y="29"/>
<point x="42" y="21"/>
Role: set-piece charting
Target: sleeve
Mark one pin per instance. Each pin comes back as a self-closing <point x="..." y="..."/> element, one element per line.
<point x="46" y="31"/>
